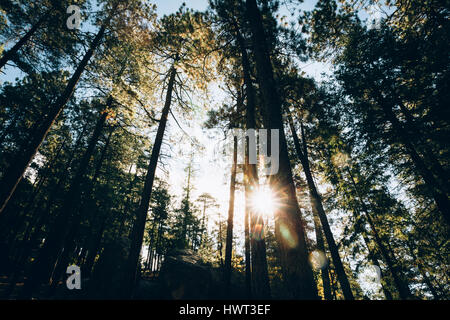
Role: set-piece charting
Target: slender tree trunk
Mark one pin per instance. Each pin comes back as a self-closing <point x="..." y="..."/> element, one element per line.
<point x="318" y="210"/>
<point x="250" y="102"/>
<point x="65" y="225"/>
<point x="17" y="168"/>
<point x="289" y="230"/>
<point x="96" y="238"/>
<point x="372" y="256"/>
<point x="147" y="263"/>
<point x="32" y="240"/>
<point x="150" y="247"/>
<point x="438" y="193"/>
<point x="425" y="277"/>
<point x="69" y="244"/>
<point x="229" y="240"/>
<point x="248" y="270"/>
<point x="324" y="270"/>
<point x="202" y="227"/>
<point x="333" y="285"/>
<point x="259" y="273"/>
<point x="440" y="173"/>
<point x="402" y="287"/>
<point x="126" y="207"/>
<point x="387" y="293"/>
<point x="139" y="226"/>
<point x="220" y="243"/>
<point x="28" y="223"/>
<point x="9" y="54"/>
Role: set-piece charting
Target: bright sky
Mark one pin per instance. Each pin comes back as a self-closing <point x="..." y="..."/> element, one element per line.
<point x="211" y="174"/>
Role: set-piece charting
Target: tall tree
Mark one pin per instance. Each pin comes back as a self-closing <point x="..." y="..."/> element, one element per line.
<point x="290" y="231"/>
<point x="18" y="166"/>
<point x="229" y="239"/>
<point x="317" y="207"/>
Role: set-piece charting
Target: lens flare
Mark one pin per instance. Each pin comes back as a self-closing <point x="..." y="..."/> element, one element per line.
<point x="318" y="260"/>
<point x="263" y="201"/>
<point x="288" y="237"/>
<point x="258" y="232"/>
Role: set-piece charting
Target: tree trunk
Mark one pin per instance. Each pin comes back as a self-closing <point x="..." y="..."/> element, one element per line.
<point x="220" y="243"/>
<point x="69" y="244"/>
<point x="248" y="270"/>
<point x="32" y="239"/>
<point x="440" y="173"/>
<point x="16" y="170"/>
<point x="402" y="287"/>
<point x="150" y="247"/>
<point x="96" y="238"/>
<point x="66" y="222"/>
<point x="250" y="104"/>
<point x="324" y="270"/>
<point x="229" y="240"/>
<point x="289" y="230"/>
<point x="438" y="193"/>
<point x="318" y="210"/>
<point x="373" y="257"/>
<point x="9" y="54"/>
<point x="28" y="223"/>
<point x="425" y="277"/>
<point x="139" y="226"/>
<point x="259" y="273"/>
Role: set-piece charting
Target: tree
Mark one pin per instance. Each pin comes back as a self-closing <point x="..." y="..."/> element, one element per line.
<point x="179" y="50"/>
<point x="229" y="238"/>
<point x="290" y="231"/>
<point x="16" y="170"/>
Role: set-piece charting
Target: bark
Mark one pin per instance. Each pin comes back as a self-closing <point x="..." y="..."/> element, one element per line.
<point x="289" y="230"/>
<point x="318" y="210"/>
<point x="248" y="270"/>
<point x="324" y="271"/>
<point x="220" y="244"/>
<point x="259" y="273"/>
<point x="229" y="239"/>
<point x="139" y="226"/>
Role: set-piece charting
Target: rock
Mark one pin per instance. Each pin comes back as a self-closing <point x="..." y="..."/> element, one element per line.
<point x="184" y="276"/>
<point x="148" y="290"/>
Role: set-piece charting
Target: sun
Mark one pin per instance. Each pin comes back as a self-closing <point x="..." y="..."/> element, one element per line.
<point x="263" y="201"/>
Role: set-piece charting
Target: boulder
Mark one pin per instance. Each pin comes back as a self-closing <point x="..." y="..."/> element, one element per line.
<point x="184" y="276"/>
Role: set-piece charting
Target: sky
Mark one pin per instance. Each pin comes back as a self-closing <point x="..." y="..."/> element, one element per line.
<point x="207" y="178"/>
<point x="210" y="167"/>
<point x="211" y="172"/>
